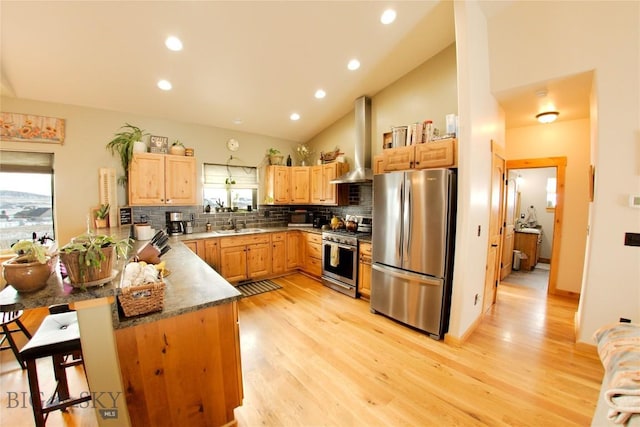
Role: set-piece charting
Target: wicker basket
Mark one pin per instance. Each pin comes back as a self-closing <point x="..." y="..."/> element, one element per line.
<point x="136" y="300"/>
<point x="80" y="277"/>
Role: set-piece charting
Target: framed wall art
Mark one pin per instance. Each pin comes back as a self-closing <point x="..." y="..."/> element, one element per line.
<point x="31" y="128"/>
<point x="159" y="144"/>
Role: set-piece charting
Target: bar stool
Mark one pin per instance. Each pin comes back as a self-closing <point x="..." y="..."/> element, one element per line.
<point x="57" y="337"/>
<point x="6" y="319"/>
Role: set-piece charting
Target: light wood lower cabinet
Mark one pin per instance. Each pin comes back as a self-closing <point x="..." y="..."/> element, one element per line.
<point x="294" y="249"/>
<point x="364" y="271"/>
<point x="245" y="257"/>
<point x="528" y="244"/>
<point x="278" y="253"/>
<point x="207" y="249"/>
<point x="313" y="254"/>
<point x="183" y="370"/>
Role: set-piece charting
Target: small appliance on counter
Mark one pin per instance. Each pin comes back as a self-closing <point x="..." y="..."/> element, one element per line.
<point x="300" y="218"/>
<point x="187" y="226"/>
<point x="174" y="223"/>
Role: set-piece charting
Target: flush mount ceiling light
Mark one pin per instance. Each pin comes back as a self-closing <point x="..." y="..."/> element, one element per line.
<point x="173" y="43"/>
<point x="388" y="16"/>
<point x="353" y="65"/>
<point x="164" y="84"/>
<point x="547" y="116"/>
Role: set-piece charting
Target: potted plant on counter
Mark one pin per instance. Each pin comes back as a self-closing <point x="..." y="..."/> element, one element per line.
<point x="89" y="258"/>
<point x="102" y="216"/>
<point x="30" y="269"/>
<point x="123" y="144"/>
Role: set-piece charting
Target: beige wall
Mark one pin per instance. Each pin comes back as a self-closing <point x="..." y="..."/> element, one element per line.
<point x="427" y="93"/>
<point x="556" y="39"/>
<point x="571" y="140"/>
<point x="89" y="130"/>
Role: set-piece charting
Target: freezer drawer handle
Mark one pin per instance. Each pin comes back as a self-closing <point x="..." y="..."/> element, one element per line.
<point x="406" y="274"/>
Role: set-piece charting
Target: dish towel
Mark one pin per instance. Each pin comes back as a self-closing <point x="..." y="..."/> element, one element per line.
<point x="334" y="258"/>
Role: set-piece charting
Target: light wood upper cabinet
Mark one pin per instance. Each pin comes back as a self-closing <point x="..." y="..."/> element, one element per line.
<point x="435" y="154"/>
<point x="278" y="185"/>
<point x="322" y="191"/>
<point x="299" y="184"/>
<point x="159" y="179"/>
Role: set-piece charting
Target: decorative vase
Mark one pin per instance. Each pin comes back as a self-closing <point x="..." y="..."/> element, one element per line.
<point x="139" y="147"/>
<point x="26" y="276"/>
<point x="303" y="163"/>
<point x="177" y="150"/>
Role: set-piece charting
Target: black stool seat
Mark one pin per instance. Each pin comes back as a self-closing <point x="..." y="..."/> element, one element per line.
<point x="7" y="318"/>
<point x="57" y="337"/>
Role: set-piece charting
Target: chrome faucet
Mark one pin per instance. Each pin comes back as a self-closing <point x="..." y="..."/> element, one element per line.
<point x="232" y="223"/>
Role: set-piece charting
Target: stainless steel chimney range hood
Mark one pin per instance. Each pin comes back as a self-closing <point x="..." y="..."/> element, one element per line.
<point x="362" y="157"/>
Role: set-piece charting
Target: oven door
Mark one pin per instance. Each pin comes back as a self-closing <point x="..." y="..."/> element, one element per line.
<point x="339" y="262"/>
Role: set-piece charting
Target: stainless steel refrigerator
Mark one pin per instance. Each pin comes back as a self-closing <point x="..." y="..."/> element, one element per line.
<point x="413" y="238"/>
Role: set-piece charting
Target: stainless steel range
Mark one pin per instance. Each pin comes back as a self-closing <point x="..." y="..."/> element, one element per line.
<point x="340" y="258"/>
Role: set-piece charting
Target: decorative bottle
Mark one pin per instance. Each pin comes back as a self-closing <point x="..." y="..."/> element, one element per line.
<point x="289" y="160"/>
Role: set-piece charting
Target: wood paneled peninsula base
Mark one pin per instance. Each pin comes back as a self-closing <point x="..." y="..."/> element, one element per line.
<point x="180" y="366"/>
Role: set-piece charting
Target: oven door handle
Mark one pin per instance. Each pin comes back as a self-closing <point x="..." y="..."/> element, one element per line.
<point x="349" y="248"/>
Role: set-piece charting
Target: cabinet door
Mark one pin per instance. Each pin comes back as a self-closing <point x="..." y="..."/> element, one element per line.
<point x="293" y="250"/>
<point x="435" y="154"/>
<point x="233" y="263"/>
<point x="258" y="260"/>
<point x="146" y="179"/>
<point x="282" y="178"/>
<point x="317" y="185"/>
<point x="180" y="180"/>
<point x="329" y="172"/>
<point x="192" y="245"/>
<point x="397" y="159"/>
<point x="212" y="253"/>
<point x="300" y="176"/>
<point x="278" y="257"/>
<point x="364" y="271"/>
<point x="378" y="164"/>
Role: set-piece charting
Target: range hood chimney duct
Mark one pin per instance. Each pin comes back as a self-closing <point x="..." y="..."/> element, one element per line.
<point x="362" y="156"/>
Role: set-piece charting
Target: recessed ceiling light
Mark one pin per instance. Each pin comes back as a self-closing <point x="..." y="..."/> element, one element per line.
<point x="388" y="16"/>
<point x="173" y="43"/>
<point x="354" y="64"/>
<point x="320" y="94"/>
<point x="237" y="121"/>
<point x="294" y="116"/>
<point x="547" y="116"/>
<point x="164" y="84"/>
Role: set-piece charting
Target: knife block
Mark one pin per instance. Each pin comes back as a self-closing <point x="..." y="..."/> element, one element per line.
<point x="149" y="254"/>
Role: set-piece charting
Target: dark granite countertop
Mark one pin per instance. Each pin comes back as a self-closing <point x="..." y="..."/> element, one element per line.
<point x="191" y="285"/>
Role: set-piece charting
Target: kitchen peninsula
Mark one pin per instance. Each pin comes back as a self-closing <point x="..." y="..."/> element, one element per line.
<point x="179" y="366"/>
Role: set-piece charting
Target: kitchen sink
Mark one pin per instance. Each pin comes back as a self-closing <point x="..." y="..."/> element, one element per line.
<point x="240" y="231"/>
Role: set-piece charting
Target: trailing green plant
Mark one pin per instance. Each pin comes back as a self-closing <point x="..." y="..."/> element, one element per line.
<point x="122" y="144"/>
<point x="89" y="247"/>
<point x="103" y="212"/>
<point x="29" y="251"/>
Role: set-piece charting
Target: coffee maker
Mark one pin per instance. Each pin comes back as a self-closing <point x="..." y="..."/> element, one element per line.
<point x="174" y="223"/>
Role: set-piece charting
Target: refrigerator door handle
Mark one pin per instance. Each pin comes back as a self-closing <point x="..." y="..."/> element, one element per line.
<point x="427" y="280"/>
<point x="406" y="218"/>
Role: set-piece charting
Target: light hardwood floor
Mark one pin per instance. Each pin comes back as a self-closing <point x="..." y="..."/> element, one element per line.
<point x="312" y="356"/>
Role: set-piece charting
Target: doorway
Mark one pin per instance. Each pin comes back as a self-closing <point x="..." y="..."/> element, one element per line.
<point x="540" y="168"/>
<point x="530" y="212"/>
